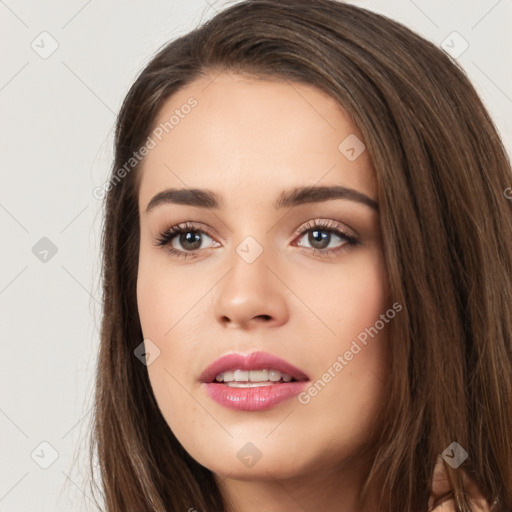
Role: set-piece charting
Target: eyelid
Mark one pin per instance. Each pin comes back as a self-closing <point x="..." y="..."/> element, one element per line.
<point x="350" y="237"/>
<point x="327" y="225"/>
<point x="176" y="229"/>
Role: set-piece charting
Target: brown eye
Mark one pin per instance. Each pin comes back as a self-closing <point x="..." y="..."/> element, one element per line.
<point x="183" y="240"/>
<point x="189" y="240"/>
<point x="321" y="234"/>
<point x="319" y="239"/>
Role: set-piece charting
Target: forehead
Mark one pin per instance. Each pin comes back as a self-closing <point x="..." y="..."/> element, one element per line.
<point x="247" y="137"/>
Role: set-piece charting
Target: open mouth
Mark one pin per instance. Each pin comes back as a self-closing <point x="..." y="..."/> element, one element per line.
<point x="253" y="378"/>
<point x="252" y="382"/>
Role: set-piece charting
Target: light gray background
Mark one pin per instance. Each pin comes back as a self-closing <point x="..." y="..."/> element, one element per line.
<point x="56" y="147"/>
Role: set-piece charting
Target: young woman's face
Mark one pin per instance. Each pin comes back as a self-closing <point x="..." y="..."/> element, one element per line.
<point x="262" y="267"/>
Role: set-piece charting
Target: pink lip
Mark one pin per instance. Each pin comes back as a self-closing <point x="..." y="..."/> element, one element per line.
<point x="252" y="361"/>
<point x="252" y="399"/>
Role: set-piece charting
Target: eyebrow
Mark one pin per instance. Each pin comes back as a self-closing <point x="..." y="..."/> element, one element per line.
<point x="208" y="199"/>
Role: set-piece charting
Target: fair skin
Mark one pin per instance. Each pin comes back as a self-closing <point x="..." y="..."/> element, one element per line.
<point x="248" y="141"/>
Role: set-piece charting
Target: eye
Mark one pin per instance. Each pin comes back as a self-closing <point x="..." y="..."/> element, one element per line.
<point x="319" y="234"/>
<point x="187" y="240"/>
<point x="183" y="240"/>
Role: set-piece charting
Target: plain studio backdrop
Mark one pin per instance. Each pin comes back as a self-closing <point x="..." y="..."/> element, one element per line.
<point x="66" y="67"/>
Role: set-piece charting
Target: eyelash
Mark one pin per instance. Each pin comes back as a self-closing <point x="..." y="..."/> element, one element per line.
<point x="331" y="227"/>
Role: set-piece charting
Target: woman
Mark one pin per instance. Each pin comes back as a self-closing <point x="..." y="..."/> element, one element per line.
<point x="307" y="251"/>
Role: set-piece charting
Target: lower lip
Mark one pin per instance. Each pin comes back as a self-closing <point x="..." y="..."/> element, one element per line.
<point x="254" y="399"/>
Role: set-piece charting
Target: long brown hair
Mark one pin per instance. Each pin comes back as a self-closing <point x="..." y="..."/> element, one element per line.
<point x="441" y="172"/>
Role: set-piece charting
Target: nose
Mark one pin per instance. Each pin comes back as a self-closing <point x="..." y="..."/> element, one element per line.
<point x="251" y="295"/>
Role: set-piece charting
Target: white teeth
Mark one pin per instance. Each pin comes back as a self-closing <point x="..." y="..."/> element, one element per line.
<point x="253" y="378"/>
<point x="258" y="375"/>
<point x="241" y="375"/>
<point x="274" y="375"/>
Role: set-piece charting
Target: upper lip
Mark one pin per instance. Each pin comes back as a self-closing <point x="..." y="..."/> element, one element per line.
<point x="252" y="361"/>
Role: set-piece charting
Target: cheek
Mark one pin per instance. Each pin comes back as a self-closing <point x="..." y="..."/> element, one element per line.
<point x="156" y="301"/>
<point x="352" y="358"/>
<point x="164" y="294"/>
<point x="363" y="300"/>
<point x="167" y="320"/>
<point x="350" y="299"/>
<point x="170" y="317"/>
